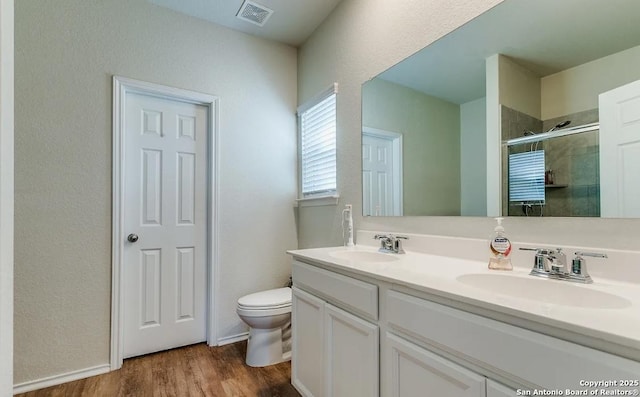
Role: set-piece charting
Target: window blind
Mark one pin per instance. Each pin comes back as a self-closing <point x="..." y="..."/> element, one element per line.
<point x="318" y="146"/>
<point x="526" y="176"/>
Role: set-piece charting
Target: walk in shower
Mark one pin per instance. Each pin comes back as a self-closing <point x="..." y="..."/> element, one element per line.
<point x="552" y="173"/>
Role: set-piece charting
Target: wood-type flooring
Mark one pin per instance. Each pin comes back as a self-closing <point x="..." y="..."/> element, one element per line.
<point x="197" y="370"/>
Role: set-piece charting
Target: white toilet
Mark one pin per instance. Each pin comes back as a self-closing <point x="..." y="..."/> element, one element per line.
<point x="268" y="314"/>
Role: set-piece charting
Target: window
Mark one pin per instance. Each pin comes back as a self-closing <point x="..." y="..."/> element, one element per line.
<point x="317" y="126"/>
<point x="526" y="176"/>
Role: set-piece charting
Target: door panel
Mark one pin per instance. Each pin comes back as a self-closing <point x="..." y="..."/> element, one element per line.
<point x="381" y="173"/>
<point x="151" y="187"/>
<point x="417" y="372"/>
<point x="186" y="188"/>
<point x="377" y="169"/>
<point x="165" y="167"/>
<point x="149" y="287"/>
<point x="620" y="151"/>
<point x="186" y="283"/>
<point x="495" y="389"/>
<point x="351" y="354"/>
<point x="307" y="364"/>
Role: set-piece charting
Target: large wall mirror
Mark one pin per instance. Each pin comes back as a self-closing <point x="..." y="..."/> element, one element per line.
<point x="530" y="109"/>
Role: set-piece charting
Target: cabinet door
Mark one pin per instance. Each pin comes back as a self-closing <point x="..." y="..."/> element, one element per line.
<point x="495" y="389"/>
<point x="351" y="353"/>
<point x="415" y="371"/>
<point x="307" y="364"/>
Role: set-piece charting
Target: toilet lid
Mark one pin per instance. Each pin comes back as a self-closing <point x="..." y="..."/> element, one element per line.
<point x="272" y="298"/>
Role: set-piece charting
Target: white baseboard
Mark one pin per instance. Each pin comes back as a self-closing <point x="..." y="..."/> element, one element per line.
<point x="59" y="379"/>
<point x="233" y="339"/>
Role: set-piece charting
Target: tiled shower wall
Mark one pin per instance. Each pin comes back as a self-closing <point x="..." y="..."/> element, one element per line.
<point x="573" y="159"/>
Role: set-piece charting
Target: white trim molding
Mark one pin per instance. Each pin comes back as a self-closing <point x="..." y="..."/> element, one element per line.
<point x="317" y="201"/>
<point x="60" y="379"/>
<point x="122" y="86"/>
<point x="233" y="339"/>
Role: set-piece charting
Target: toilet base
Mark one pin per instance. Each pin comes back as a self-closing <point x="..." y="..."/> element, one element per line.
<point x="265" y="347"/>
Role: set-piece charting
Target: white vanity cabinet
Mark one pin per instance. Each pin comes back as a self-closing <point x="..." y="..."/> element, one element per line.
<point x="361" y="335"/>
<point x="335" y="351"/>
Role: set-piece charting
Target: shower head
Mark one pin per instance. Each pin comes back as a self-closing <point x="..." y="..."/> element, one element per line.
<point x="560" y="125"/>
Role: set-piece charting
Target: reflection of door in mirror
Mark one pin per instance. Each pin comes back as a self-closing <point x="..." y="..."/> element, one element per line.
<point x="620" y="151"/>
<point x="381" y="172"/>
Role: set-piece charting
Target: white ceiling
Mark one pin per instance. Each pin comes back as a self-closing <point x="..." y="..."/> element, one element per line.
<point x="545" y="36"/>
<point x="292" y="21"/>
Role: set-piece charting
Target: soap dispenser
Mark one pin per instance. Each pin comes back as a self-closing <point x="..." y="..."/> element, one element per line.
<point x="500" y="248"/>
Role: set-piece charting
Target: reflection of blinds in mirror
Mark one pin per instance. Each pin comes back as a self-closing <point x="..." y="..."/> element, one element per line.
<point x="526" y="176"/>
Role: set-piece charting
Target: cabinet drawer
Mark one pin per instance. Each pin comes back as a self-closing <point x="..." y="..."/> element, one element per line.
<point x="354" y="295"/>
<point x="515" y="352"/>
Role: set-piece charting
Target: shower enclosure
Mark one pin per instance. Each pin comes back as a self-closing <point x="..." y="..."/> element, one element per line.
<point x="553" y="173"/>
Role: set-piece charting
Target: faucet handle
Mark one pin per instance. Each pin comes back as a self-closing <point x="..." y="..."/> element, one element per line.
<point x="397" y="244"/>
<point x="386" y="242"/>
<point x="538" y="251"/>
<point x="541" y="259"/>
<point x="591" y="254"/>
<point x="579" y="265"/>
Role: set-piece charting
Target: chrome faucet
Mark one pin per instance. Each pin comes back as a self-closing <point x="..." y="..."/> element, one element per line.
<point x="552" y="263"/>
<point x="390" y="243"/>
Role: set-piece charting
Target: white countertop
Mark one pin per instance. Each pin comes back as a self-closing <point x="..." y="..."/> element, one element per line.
<point x="614" y="328"/>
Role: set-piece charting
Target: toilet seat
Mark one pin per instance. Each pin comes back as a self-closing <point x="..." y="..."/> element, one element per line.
<point x="264" y="307"/>
<point x="266" y="303"/>
<point x="271" y="299"/>
<point x="262" y="312"/>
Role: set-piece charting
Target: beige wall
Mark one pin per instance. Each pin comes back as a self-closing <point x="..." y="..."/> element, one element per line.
<point x="473" y="158"/>
<point x="6" y="196"/>
<point x="361" y="39"/>
<point x="577" y="89"/>
<point x="66" y="54"/>
<point x="519" y="87"/>
<point x="430" y="129"/>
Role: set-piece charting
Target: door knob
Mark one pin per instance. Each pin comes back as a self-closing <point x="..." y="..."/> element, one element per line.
<point x="132" y="238"/>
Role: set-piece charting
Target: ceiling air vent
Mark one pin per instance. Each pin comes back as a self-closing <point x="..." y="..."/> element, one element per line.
<point x="254" y="13"/>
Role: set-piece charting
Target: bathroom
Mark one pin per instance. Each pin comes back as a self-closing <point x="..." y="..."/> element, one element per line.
<point x="65" y="56"/>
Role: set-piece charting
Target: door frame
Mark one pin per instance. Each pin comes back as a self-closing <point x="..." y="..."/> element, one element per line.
<point x="397" y="148"/>
<point x="121" y="87"/>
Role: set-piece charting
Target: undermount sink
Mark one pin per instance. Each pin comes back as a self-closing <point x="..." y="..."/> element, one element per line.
<point x="363" y="256"/>
<point x="561" y="293"/>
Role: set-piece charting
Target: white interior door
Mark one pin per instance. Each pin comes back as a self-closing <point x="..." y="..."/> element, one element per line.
<point x="620" y="152"/>
<point x="165" y="195"/>
<point x="381" y="173"/>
